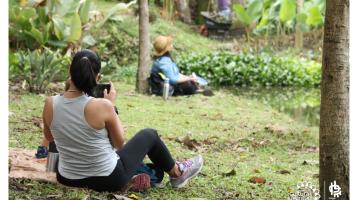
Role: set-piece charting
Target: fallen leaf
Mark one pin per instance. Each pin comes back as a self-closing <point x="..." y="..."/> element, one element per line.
<point x="133" y="196"/>
<point x="230" y="173"/>
<point x="276" y="129"/>
<point x="310" y="162"/>
<point x="258" y="180"/>
<point x="217" y="116"/>
<point x="120" y="197"/>
<point x="190" y="143"/>
<point x="283" y="171"/>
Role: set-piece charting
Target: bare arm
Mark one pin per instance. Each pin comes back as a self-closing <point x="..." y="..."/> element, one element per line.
<point x="183" y="78"/>
<point x="112" y="122"/>
<point x="47" y="118"/>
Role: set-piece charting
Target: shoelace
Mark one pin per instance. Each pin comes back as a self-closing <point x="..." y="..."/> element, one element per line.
<point x="186" y="164"/>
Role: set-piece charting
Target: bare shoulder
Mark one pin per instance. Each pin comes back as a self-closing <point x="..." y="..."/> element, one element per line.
<point x="99" y="104"/>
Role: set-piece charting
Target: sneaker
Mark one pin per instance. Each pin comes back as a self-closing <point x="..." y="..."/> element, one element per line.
<point x="42" y="152"/>
<point x="190" y="168"/>
<point x="139" y="183"/>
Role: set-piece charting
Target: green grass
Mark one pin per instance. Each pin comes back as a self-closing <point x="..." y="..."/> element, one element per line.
<point x="226" y="120"/>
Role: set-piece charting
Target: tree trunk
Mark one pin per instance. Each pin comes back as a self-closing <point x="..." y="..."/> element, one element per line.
<point x="182" y="7"/>
<point x="334" y="122"/>
<point x="299" y="35"/>
<point x="142" y="85"/>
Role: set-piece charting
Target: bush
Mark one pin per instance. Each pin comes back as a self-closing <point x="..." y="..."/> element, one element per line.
<point x="248" y="69"/>
<point x="38" y="68"/>
<point x="116" y="48"/>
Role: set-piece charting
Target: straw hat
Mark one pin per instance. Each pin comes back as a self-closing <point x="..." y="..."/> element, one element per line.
<point x="162" y="44"/>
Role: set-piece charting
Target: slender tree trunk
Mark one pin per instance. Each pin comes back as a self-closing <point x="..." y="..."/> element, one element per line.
<point x="182" y="7"/>
<point x="334" y="122"/>
<point x="142" y="85"/>
<point x="299" y="35"/>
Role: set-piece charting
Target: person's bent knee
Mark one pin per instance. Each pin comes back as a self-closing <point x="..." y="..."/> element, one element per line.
<point x="149" y="133"/>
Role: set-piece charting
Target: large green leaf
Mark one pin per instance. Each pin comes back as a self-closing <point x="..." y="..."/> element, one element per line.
<point x="84" y="10"/>
<point x="242" y="14"/>
<point x="314" y="16"/>
<point x="287" y="10"/>
<point x="66" y="7"/>
<point x="37" y="35"/>
<point x="120" y="7"/>
<point x="264" y="19"/>
<point x="59" y="27"/>
<point x="254" y="9"/>
<point x="75" y="29"/>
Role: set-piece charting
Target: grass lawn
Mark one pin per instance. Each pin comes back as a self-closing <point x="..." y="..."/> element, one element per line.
<point x="236" y="135"/>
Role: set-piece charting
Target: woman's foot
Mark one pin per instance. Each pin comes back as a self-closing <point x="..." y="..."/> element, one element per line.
<point x="189" y="168"/>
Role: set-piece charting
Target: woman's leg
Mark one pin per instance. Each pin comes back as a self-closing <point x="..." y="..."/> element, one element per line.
<point x="186" y="88"/>
<point x="146" y="142"/>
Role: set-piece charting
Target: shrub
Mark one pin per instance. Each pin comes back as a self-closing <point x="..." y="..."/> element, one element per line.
<point x="248" y="69"/>
<point x="38" y="68"/>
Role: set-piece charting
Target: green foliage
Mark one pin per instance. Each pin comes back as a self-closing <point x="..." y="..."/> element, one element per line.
<point x="112" y="14"/>
<point x="117" y="48"/>
<point x="280" y="16"/>
<point x="57" y="24"/>
<point x="247" y="68"/>
<point x="38" y="68"/>
<point x="287" y="10"/>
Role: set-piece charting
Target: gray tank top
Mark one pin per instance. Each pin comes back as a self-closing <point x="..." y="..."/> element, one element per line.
<point x="84" y="151"/>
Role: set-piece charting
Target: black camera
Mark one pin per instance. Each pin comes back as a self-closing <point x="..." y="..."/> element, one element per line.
<point x="98" y="90"/>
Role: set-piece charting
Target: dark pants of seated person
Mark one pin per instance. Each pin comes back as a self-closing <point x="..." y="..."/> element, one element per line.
<point x="186" y="88"/>
<point x="145" y="142"/>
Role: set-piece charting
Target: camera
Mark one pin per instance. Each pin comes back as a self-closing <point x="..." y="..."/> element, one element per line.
<point x="98" y="90"/>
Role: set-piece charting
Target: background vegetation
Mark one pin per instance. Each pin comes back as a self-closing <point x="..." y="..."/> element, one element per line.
<point x="241" y="131"/>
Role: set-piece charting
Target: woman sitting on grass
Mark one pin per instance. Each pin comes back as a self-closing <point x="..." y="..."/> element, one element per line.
<point x="86" y="130"/>
<point x="164" y="64"/>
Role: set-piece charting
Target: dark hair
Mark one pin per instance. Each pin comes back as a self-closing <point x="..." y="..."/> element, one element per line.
<point x="84" y="68"/>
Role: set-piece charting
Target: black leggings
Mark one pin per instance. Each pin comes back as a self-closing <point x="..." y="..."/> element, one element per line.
<point x="186" y="88"/>
<point x="145" y="142"/>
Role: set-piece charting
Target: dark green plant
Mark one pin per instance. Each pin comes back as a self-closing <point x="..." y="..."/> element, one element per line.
<point x="249" y="69"/>
<point x="38" y="68"/>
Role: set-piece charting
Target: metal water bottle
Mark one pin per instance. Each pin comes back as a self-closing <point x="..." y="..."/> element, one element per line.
<point x="52" y="158"/>
<point x="166" y="89"/>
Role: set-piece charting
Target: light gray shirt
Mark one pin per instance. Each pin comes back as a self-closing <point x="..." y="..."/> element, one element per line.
<point x="84" y="151"/>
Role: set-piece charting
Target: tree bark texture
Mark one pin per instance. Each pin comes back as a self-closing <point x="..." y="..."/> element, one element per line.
<point x="142" y="84"/>
<point x="182" y="7"/>
<point x="334" y="121"/>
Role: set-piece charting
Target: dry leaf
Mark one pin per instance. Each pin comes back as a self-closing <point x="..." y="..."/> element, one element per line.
<point x="258" y="180"/>
<point x="276" y="129"/>
<point x="190" y="143"/>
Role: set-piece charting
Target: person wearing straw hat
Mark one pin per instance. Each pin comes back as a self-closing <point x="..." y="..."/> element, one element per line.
<point x="164" y="67"/>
